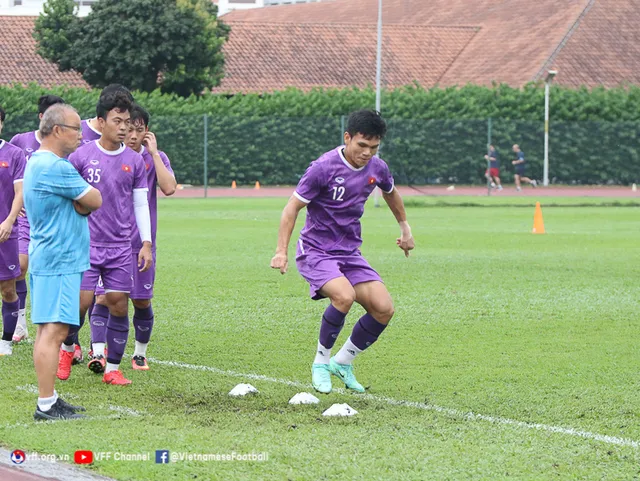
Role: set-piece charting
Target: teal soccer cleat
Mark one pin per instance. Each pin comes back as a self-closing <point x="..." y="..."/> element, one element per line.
<point x="321" y="378"/>
<point x="344" y="372"/>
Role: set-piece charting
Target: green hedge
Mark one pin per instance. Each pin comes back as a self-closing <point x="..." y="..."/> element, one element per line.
<point x="436" y="135"/>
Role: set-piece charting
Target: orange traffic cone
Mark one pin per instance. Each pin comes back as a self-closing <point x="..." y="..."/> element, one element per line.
<point x="538" y="223"/>
<point x="257" y="185"/>
<point x="233" y="184"/>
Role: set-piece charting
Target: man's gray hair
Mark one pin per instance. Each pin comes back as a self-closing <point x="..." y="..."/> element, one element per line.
<point x="54" y="115"/>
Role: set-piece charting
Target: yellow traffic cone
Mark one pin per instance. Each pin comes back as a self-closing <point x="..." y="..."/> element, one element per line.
<point x="538" y="222"/>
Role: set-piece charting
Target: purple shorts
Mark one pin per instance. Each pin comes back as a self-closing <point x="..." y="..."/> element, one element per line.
<point x="24" y="238"/>
<point x="318" y="268"/>
<point x="112" y="265"/>
<point x="142" y="281"/>
<point x="9" y="260"/>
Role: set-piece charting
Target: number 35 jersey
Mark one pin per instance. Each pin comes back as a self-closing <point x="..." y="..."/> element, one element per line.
<point x="335" y="193"/>
<point x="116" y="174"/>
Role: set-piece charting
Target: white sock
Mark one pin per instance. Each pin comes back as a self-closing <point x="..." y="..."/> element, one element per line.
<point x="7" y="343"/>
<point x="45" y="403"/>
<point x="22" y="318"/>
<point x="67" y="348"/>
<point x="347" y="353"/>
<point x="112" y="367"/>
<point x="323" y="355"/>
<point x="98" y="348"/>
<point x="141" y="349"/>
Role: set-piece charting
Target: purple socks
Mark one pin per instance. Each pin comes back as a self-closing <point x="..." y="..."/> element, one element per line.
<point x="143" y="324"/>
<point x="98" y="318"/>
<point x="332" y="323"/>
<point x="366" y="332"/>
<point x="21" y="290"/>
<point x="117" y="336"/>
<point x="9" y="319"/>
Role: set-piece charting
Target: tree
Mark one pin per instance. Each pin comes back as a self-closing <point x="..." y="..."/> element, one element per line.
<point x="175" y="45"/>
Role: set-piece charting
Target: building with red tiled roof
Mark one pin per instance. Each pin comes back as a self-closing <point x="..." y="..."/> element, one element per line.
<point x="19" y="62"/>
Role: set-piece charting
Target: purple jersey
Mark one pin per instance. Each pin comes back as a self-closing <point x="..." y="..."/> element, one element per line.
<point x="116" y="174"/>
<point x="12" y="163"/>
<point x="152" y="179"/>
<point x="89" y="134"/>
<point x="336" y="192"/>
<point x="29" y="142"/>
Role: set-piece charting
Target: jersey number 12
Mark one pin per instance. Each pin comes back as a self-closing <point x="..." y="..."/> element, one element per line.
<point x="338" y="193"/>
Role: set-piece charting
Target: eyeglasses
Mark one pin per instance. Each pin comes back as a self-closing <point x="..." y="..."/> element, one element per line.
<point x="77" y="129"/>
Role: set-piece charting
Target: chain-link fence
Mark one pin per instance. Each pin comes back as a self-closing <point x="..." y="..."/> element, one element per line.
<point x="216" y="150"/>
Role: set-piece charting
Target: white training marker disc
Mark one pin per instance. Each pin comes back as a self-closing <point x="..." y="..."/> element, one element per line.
<point x="243" y="390"/>
<point x="304" y="398"/>
<point x="340" y="410"/>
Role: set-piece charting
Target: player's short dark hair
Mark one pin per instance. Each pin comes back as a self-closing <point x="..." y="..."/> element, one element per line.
<point x="368" y="123"/>
<point x="117" y="88"/>
<point x="46" y="101"/>
<point x="139" y="114"/>
<point x="3" y="114"/>
<point x="118" y="100"/>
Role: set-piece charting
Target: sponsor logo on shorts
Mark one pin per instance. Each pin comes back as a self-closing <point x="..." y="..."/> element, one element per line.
<point x="94" y="162"/>
<point x="12" y="267"/>
<point x="148" y="286"/>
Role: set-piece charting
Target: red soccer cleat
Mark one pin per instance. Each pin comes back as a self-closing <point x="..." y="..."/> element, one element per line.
<point x="65" y="359"/>
<point x="78" y="358"/>
<point x="139" y="363"/>
<point x="115" y="377"/>
<point x="97" y="364"/>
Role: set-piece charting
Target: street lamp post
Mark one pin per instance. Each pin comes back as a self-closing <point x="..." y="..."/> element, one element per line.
<point x="547" y="84"/>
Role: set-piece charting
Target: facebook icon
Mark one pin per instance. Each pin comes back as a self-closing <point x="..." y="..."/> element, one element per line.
<point x="162" y="457"/>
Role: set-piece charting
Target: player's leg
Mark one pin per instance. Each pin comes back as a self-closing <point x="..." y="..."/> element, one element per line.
<point x="326" y="281"/>
<point x="143" y="317"/>
<point x="21" y="283"/>
<point x="532" y="182"/>
<point x="54" y="308"/>
<point x="117" y="279"/>
<point x="98" y="320"/>
<point x="496" y="179"/>
<point x="516" y="178"/>
<point x="9" y="271"/>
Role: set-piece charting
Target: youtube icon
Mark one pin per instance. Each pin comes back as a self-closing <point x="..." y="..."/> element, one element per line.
<point x="83" y="457"/>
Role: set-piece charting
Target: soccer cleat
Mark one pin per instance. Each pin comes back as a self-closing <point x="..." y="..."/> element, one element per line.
<point x="115" y="377"/>
<point x="65" y="359"/>
<point x="57" y="412"/>
<point x="6" y="349"/>
<point x="321" y="378"/>
<point x="97" y="364"/>
<point x="139" y="363"/>
<point x="20" y="333"/>
<point x="70" y="407"/>
<point x="78" y="358"/>
<point x="344" y="372"/>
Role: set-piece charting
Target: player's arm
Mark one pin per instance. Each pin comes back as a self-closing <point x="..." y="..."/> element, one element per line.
<point x="287" y="223"/>
<point x="7" y="225"/>
<point x="396" y="205"/>
<point x="143" y="221"/>
<point x="88" y="201"/>
<point x="166" y="180"/>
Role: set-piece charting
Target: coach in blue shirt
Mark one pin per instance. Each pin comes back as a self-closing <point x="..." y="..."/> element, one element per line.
<point x="58" y="200"/>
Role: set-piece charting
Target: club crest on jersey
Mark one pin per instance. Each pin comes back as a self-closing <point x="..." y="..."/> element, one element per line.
<point x="4" y="165"/>
<point x="94" y="162"/>
<point x="372" y="180"/>
<point x="147" y="166"/>
<point x="126" y="168"/>
<point x="340" y="180"/>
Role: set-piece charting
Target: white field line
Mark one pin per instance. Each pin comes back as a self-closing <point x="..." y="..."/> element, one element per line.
<point x="454" y="413"/>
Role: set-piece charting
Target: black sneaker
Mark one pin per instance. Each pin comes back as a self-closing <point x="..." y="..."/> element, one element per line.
<point x="70" y="407"/>
<point x="57" y="412"/>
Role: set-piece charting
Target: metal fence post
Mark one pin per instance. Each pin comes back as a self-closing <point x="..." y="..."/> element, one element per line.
<point x="206" y="156"/>
<point x="489" y="125"/>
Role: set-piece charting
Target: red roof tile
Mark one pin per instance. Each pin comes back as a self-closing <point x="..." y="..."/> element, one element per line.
<point x="19" y="62"/>
<point x="262" y="57"/>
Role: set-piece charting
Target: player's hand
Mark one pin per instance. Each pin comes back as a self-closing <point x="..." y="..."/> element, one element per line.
<point x="5" y="230"/>
<point x="150" y="142"/>
<point x="513" y="162"/>
<point x="23" y="213"/>
<point x="406" y="242"/>
<point x="80" y="209"/>
<point x="145" y="258"/>
<point x="280" y="261"/>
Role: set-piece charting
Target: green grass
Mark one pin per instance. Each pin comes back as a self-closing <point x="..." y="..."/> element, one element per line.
<point x="489" y="319"/>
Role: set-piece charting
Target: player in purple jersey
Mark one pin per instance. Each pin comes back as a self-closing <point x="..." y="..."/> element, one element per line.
<point x="29" y="142"/>
<point x="120" y="175"/>
<point x="92" y="131"/>
<point x="159" y="172"/>
<point x="12" y="163"/>
<point x="334" y="189"/>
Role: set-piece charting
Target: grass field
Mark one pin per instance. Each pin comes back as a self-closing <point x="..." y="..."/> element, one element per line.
<point x="490" y="319"/>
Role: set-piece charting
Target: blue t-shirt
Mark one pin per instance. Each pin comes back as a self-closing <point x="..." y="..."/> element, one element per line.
<point x="59" y="235"/>
<point x="495" y="164"/>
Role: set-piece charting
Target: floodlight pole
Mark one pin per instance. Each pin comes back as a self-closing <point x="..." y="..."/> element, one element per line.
<point x="547" y="84"/>
<point x="378" y="75"/>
